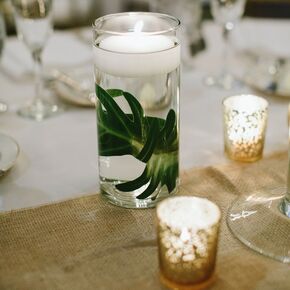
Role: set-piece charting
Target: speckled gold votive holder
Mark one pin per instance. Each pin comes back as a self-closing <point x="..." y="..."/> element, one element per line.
<point x="187" y="231"/>
<point x="245" y="119"/>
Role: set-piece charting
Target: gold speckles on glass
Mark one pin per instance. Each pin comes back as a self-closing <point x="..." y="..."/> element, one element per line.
<point x="245" y="119"/>
<point x="187" y="233"/>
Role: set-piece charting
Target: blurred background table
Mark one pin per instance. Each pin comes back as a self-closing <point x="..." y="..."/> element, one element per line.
<point x="58" y="158"/>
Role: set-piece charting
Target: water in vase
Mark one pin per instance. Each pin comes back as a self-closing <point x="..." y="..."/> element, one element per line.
<point x="138" y="151"/>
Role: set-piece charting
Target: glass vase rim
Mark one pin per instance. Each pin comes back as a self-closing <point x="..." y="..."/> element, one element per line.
<point x="111" y="15"/>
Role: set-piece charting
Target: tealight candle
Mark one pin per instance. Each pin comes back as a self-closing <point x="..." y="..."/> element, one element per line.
<point x="187" y="239"/>
<point x="245" y="119"/>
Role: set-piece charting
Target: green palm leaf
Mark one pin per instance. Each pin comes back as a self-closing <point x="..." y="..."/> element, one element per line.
<point x="151" y="140"/>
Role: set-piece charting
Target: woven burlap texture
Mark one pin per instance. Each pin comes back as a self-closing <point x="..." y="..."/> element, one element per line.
<point x="86" y="243"/>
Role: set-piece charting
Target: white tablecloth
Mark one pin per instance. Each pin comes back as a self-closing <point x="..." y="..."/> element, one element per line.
<point x="58" y="158"/>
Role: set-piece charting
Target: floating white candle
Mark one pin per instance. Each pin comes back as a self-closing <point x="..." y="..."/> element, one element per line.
<point x="120" y="55"/>
<point x="136" y="43"/>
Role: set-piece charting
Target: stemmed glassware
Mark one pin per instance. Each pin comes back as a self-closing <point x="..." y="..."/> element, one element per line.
<point x="3" y="106"/>
<point x="261" y="219"/>
<point x="226" y="13"/>
<point x="34" y="26"/>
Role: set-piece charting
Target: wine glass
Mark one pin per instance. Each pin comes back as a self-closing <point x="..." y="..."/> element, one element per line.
<point x="3" y="106"/>
<point x="34" y="26"/>
<point x="189" y="12"/>
<point x="226" y="13"/>
<point x="261" y="219"/>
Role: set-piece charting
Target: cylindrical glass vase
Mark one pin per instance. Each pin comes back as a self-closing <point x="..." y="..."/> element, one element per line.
<point x="137" y="58"/>
<point x="187" y="234"/>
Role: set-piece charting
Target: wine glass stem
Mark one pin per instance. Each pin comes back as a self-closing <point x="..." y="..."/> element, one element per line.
<point x="38" y="74"/>
<point x="226" y="33"/>
<point x="285" y="205"/>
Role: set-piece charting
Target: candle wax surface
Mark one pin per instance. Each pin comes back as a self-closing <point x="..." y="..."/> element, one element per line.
<point x="136" y="43"/>
<point x="190" y="212"/>
<point x="247" y="103"/>
<point x="136" y="55"/>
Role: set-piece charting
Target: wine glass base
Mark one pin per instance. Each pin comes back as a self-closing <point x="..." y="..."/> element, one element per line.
<point x="39" y="111"/>
<point x="257" y="221"/>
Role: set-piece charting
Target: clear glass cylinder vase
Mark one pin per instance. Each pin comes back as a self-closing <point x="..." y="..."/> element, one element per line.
<point x="137" y="59"/>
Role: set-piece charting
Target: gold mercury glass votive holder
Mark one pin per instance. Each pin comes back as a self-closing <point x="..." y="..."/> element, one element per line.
<point x="245" y="120"/>
<point x="187" y="232"/>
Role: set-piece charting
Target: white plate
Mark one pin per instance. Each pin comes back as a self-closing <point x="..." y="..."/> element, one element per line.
<point x="276" y="84"/>
<point x="264" y="73"/>
<point x="9" y="151"/>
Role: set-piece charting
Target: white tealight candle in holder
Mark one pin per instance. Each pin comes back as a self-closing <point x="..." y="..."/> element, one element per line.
<point x="245" y="119"/>
<point x="187" y="239"/>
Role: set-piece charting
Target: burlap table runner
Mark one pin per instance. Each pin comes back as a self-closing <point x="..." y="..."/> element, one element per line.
<point x="86" y="243"/>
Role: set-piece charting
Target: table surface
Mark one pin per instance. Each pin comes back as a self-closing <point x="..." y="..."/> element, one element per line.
<point x="58" y="157"/>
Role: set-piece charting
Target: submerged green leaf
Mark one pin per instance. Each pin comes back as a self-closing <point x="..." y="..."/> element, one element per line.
<point x="151" y="140"/>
